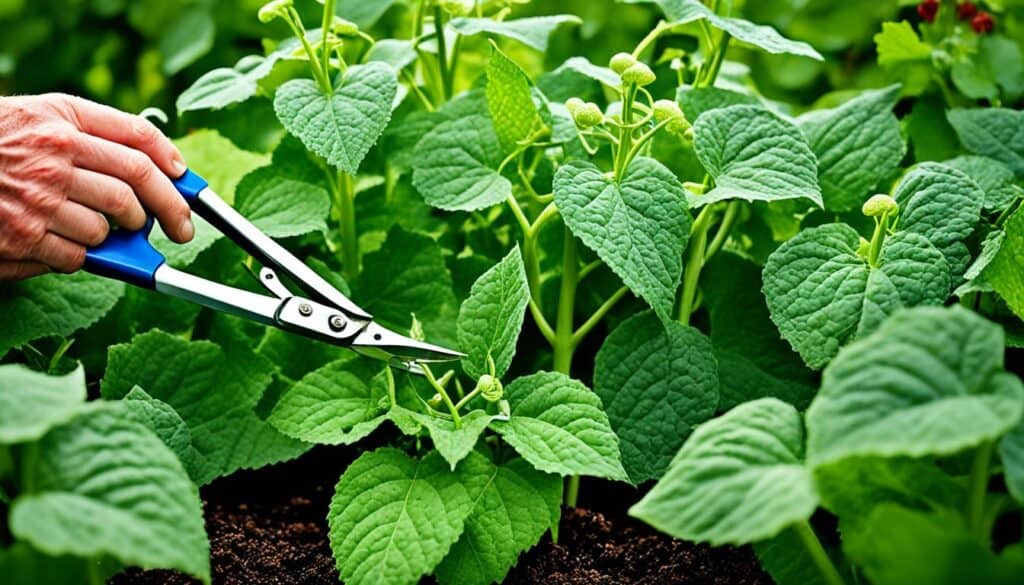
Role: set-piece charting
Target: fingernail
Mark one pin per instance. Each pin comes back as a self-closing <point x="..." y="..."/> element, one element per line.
<point x="179" y="166"/>
<point x="188" y="230"/>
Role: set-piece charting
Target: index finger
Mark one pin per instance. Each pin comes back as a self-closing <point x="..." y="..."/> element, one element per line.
<point x="127" y="129"/>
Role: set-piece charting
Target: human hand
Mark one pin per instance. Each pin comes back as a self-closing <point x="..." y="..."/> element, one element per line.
<point x="65" y="162"/>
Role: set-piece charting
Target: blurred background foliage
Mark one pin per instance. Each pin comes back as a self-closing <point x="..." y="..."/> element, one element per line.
<point x="135" y="54"/>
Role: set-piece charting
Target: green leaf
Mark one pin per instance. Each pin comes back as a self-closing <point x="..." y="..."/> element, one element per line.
<point x="657" y="382"/>
<point x="821" y="294"/>
<point x="907" y="546"/>
<point x="509" y="101"/>
<point x="103" y="484"/>
<point x="53" y="305"/>
<point x="934" y="380"/>
<point x="858" y="145"/>
<point x="1004" y="273"/>
<point x="639" y="226"/>
<point x="219" y="161"/>
<point x="785" y="558"/>
<point x="754" y="155"/>
<point x="532" y="32"/>
<point x="943" y="205"/>
<point x="993" y="132"/>
<point x="365" y="14"/>
<point x="225" y="86"/>
<point x="559" y="426"/>
<point x="339" y="403"/>
<point x="283" y="207"/>
<point x="696" y="100"/>
<point x="214" y="395"/>
<point x="452" y="444"/>
<point x="509" y="516"/>
<point x="583" y="66"/>
<point x="974" y="279"/>
<point x="399" y="54"/>
<point x="341" y="127"/>
<point x="23" y="565"/>
<point x="393" y="518"/>
<point x="994" y="178"/>
<point x="898" y="43"/>
<point x="32" y="402"/>
<point x="1011" y="452"/>
<point x="407" y="275"/>
<point x="753" y="359"/>
<point x="765" y="38"/>
<point x="164" y="421"/>
<point x="187" y="38"/>
<point x="491" y="318"/>
<point x="455" y="164"/>
<point x="738" y="479"/>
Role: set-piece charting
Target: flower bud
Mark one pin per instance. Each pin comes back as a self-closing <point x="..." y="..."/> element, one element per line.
<point x="457" y="7"/>
<point x="273" y="9"/>
<point x="880" y="205"/>
<point x="668" y="110"/>
<point x="638" y="73"/>
<point x="621" y="61"/>
<point x="587" y="115"/>
<point x="436" y="399"/>
<point x="344" y="28"/>
<point x="416" y="329"/>
<point x="490" y="388"/>
<point x="572" y="104"/>
<point x="864" y="248"/>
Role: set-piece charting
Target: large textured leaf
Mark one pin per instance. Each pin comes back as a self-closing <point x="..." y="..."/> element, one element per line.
<point x="993" y="132"/>
<point x="559" y="426"/>
<point x="738" y="479"/>
<point x="994" y="178"/>
<point x="929" y="381"/>
<point x="696" y="100"/>
<point x="32" y="402"/>
<point x="339" y="403"/>
<point x="857" y="144"/>
<point x="491" y="318"/>
<point x="657" y="382"/>
<point x="103" y="484"/>
<point x="163" y="420"/>
<point x="639" y="226"/>
<point x="454" y="444"/>
<point x="280" y="206"/>
<point x="509" y="100"/>
<point x="765" y="38"/>
<point x="53" y="305"/>
<point x="533" y="31"/>
<point x="1005" y="272"/>
<point x="509" y="516"/>
<point x="785" y="558"/>
<point x="822" y="294"/>
<point x="340" y="127"/>
<point x="753" y="359"/>
<point x="1011" y="452"/>
<point x="214" y="395"/>
<point x="754" y="155"/>
<point x="393" y="518"/>
<point x="455" y="167"/>
<point x="943" y="205"/>
<point x="224" y="86"/>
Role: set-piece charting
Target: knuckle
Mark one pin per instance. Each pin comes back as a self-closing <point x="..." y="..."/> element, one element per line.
<point x="121" y="200"/>
<point x="139" y="167"/>
<point x="51" y="138"/>
<point x="97" y="232"/>
<point x="75" y="259"/>
<point x="146" y="131"/>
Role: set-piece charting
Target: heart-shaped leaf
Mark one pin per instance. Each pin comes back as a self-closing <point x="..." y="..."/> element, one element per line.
<point x="340" y="127"/>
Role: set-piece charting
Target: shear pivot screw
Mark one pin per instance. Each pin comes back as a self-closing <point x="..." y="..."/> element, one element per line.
<point x="305" y="310"/>
<point x="337" y="322"/>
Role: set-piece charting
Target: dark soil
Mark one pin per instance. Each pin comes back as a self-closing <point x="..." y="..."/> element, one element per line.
<point x="269" y="527"/>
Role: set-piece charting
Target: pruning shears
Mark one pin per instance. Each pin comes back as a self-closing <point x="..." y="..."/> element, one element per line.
<point x="326" y="314"/>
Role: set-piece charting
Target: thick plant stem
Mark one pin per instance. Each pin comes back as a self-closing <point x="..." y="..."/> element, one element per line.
<point x="818" y="555"/>
<point x="442" y="54"/>
<point x="345" y="202"/>
<point x="564" y="344"/>
<point x="625" y="133"/>
<point x="694" y="263"/>
<point x="877" y="239"/>
<point x="325" y="29"/>
<point x="977" y="489"/>
<point x="723" y="230"/>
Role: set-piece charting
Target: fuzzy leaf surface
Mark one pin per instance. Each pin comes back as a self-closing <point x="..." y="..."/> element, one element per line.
<point x="32" y="402"/>
<point x="997" y="133"/>
<point x="509" y="100"/>
<point x="532" y="31"/>
<point x="491" y="318"/>
<point x="1005" y="271"/>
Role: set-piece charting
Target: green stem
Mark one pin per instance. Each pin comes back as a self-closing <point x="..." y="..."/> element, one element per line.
<point x="650" y="38"/>
<point x="345" y="202"/>
<point x="390" y="378"/>
<point x="599" y="314"/>
<point x="563" y="348"/>
<point x="444" y="395"/>
<point x="731" y="211"/>
<point x="325" y="29"/>
<point x="877" y="239"/>
<point x="625" y="133"/>
<point x="709" y="74"/>
<point x="295" y="22"/>
<point x="442" y="54"/>
<point x="694" y="262"/>
<point x="465" y="400"/>
<point x="817" y="553"/>
<point x="977" y="489"/>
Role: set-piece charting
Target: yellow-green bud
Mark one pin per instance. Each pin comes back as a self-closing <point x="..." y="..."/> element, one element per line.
<point x="880" y="205"/>
<point x="587" y="115"/>
<point x="621" y="61"/>
<point x="274" y="9"/>
<point x="572" y="104"/>
<point x="638" y="73"/>
<point x="436" y="399"/>
<point x="490" y="388"/>
<point x="457" y="7"/>
<point x="864" y="248"/>
<point x="344" y="28"/>
<point x="416" y="329"/>
<point x="668" y="110"/>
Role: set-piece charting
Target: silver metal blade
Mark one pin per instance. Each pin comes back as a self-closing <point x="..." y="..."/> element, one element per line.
<point x="376" y="341"/>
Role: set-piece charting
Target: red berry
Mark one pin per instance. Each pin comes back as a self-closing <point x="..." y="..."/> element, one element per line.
<point x="982" y="23"/>
<point x="966" y="11"/>
<point x="928" y="9"/>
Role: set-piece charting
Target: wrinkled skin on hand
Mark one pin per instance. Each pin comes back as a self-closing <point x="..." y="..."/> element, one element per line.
<point x="68" y="164"/>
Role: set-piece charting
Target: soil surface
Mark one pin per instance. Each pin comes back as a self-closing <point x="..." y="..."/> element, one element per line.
<point x="268" y="527"/>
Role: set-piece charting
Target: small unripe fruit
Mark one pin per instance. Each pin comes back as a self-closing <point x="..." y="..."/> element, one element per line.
<point x="638" y="73"/>
<point x="344" y="28"/>
<point x="490" y="388"/>
<point x="457" y="7"/>
<point x="668" y="110"/>
<point x="273" y="9"/>
<point x="880" y="205"/>
<point x="587" y="115"/>
<point x="573" y="104"/>
<point x="621" y="61"/>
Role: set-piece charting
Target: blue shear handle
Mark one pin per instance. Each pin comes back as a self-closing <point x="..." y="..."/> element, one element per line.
<point x="127" y="255"/>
